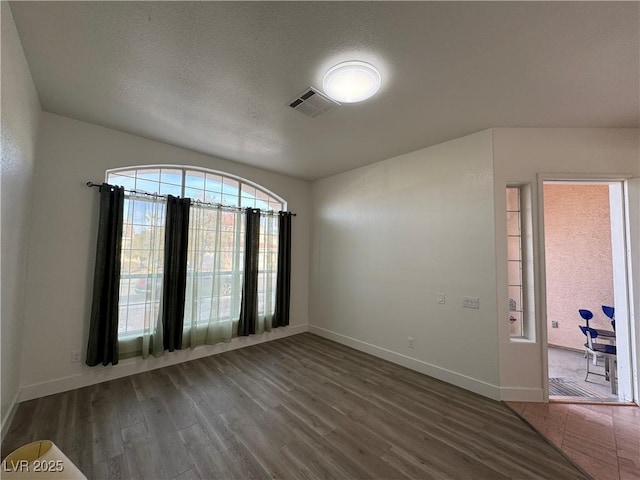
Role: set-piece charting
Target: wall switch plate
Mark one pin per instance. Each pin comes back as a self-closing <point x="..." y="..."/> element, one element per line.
<point x="75" y="356"/>
<point x="411" y="342"/>
<point x="471" y="302"/>
<point x="441" y="298"/>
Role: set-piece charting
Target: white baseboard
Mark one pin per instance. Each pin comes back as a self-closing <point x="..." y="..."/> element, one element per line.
<point x="136" y="365"/>
<point x="449" y="376"/>
<point x="8" y="417"/>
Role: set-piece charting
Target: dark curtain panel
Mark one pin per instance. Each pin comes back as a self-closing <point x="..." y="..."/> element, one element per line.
<point x="249" y="303"/>
<point x="175" y="271"/>
<point x="283" y="282"/>
<point x="103" y="330"/>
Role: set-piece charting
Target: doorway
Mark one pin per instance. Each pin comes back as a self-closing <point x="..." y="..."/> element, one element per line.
<point x="586" y="291"/>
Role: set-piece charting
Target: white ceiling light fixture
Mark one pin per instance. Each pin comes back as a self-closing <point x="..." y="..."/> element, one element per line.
<point x="351" y="82"/>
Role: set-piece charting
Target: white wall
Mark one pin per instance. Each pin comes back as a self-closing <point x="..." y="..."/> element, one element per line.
<point x="62" y="248"/>
<point x="371" y="292"/>
<point x="520" y="154"/>
<point x="20" y="114"/>
<point x="578" y="259"/>
<point x="388" y="237"/>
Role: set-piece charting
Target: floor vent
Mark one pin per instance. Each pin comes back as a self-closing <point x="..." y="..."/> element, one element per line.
<point x="313" y="103"/>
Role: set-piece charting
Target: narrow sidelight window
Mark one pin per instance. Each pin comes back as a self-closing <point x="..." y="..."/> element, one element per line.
<point x="515" y="264"/>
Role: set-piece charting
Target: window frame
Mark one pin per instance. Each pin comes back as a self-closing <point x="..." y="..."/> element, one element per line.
<point x="516" y="305"/>
<point x="527" y="301"/>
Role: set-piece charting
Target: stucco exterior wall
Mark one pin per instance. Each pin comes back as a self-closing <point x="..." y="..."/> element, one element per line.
<point x="578" y="259"/>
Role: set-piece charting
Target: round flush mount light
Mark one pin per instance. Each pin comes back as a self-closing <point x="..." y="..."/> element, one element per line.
<point x="351" y="82"/>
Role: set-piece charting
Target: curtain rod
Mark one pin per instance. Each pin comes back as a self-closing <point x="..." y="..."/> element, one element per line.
<point x="196" y="202"/>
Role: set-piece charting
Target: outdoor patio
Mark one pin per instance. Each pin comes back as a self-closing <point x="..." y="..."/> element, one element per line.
<point x="566" y="377"/>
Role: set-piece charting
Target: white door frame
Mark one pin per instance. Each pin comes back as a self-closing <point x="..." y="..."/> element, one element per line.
<point x="624" y="304"/>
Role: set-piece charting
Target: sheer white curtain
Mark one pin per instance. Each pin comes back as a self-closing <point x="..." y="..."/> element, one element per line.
<point x="267" y="271"/>
<point x="211" y="294"/>
<point x="142" y="267"/>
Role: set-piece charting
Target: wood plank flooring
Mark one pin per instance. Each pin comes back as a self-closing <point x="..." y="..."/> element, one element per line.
<point x="301" y="407"/>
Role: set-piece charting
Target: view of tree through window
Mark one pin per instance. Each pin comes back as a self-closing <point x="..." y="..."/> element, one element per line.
<point x="215" y="259"/>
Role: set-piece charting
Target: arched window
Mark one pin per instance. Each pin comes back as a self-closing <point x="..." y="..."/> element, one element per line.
<point x="198" y="184"/>
<point x="215" y="255"/>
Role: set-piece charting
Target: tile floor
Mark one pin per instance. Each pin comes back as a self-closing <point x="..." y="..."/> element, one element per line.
<point x="603" y="439"/>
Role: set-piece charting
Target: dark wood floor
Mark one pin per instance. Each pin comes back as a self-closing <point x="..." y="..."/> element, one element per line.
<point x="300" y="407"/>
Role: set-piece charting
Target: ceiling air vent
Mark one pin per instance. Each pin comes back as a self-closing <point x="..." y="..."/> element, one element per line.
<point x="313" y="103"/>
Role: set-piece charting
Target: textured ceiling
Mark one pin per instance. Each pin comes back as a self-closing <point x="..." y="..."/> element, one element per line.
<point x="216" y="77"/>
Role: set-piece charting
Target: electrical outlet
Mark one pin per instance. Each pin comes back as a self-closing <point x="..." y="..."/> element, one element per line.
<point x="470" y="302"/>
<point x="411" y="342"/>
<point x="75" y="356"/>
<point x="441" y="298"/>
<point x="554" y="324"/>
